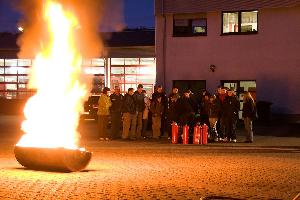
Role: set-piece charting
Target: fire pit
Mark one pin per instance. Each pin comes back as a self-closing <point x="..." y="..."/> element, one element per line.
<point x="52" y="159"/>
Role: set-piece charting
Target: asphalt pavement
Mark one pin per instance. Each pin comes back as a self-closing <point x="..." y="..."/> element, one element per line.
<point x="155" y="169"/>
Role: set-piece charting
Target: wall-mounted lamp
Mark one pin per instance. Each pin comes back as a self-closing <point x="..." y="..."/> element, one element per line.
<point x="212" y="68"/>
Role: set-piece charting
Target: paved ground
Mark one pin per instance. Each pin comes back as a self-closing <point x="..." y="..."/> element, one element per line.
<point x="266" y="169"/>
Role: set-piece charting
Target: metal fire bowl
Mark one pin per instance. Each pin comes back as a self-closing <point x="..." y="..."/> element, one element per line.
<point x="52" y="159"/>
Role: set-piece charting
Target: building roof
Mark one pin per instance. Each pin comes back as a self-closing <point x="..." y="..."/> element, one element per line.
<point x="128" y="39"/>
<point x="194" y="6"/>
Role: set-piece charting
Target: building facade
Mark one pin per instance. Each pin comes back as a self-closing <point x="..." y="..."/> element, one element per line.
<point x="248" y="45"/>
<point x="129" y="59"/>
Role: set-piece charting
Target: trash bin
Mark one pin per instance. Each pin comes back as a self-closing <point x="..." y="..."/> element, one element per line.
<point x="263" y="109"/>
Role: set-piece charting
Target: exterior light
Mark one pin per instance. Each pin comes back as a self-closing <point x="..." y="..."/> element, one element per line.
<point x="20" y="28"/>
<point x="212" y="68"/>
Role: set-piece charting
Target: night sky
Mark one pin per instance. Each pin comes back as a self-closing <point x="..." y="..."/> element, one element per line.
<point x="137" y="13"/>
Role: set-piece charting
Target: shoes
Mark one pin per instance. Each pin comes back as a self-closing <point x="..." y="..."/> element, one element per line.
<point x="216" y="139"/>
<point x="220" y="139"/>
<point x="233" y="140"/>
<point x="101" y="139"/>
<point x="107" y="139"/>
<point x="225" y="140"/>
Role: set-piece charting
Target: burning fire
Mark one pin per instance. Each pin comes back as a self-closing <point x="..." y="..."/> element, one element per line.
<point x="52" y="114"/>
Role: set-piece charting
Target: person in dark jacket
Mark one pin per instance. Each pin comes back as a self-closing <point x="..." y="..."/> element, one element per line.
<point x="159" y="92"/>
<point x="220" y="97"/>
<point x="137" y="122"/>
<point x="230" y="111"/>
<point x="156" y="109"/>
<point x="249" y="113"/>
<point x="213" y="109"/>
<point x="173" y="114"/>
<point x="204" y="108"/>
<point x="116" y="112"/>
<point x="186" y="110"/>
<point x="128" y="110"/>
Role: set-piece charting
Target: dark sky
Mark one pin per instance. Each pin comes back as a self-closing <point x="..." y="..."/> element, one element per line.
<point x="137" y="13"/>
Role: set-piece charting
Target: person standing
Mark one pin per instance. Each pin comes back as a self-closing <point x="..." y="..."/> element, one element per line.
<point x="213" y="109"/>
<point x="104" y="104"/>
<point x="230" y="111"/>
<point x="116" y="115"/>
<point x="128" y="110"/>
<point x="145" y="113"/>
<point x="204" y="109"/>
<point x="249" y="113"/>
<point x="158" y="92"/>
<point x="173" y="114"/>
<point x="186" y="109"/>
<point x="156" y="109"/>
<point x="221" y="95"/>
<point x="137" y="122"/>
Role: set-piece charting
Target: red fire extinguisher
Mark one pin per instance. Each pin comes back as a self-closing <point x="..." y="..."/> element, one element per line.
<point x="197" y="139"/>
<point x="174" y="133"/>
<point x="204" y="133"/>
<point x="185" y="134"/>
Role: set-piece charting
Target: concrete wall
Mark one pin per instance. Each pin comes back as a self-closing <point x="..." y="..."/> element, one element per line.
<point x="271" y="57"/>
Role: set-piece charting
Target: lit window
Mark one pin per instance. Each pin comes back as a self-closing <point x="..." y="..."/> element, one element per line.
<point x="147" y="61"/>
<point x="1" y="70"/>
<point x="11" y="70"/>
<point x="117" y="61"/>
<point x="98" y="62"/>
<point x="117" y="70"/>
<point x="249" y="21"/>
<point x="1" y="78"/>
<point x="130" y="70"/>
<point x="1" y="62"/>
<point x="24" y="62"/>
<point x="87" y="62"/>
<point x="94" y="70"/>
<point x="239" y="22"/>
<point x="23" y="79"/>
<point x="11" y="62"/>
<point x="132" y="61"/>
<point x="10" y="78"/>
<point x="199" y="26"/>
<point x="189" y="25"/>
<point x="11" y="86"/>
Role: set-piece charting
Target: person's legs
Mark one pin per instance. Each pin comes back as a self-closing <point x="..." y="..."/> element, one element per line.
<point x="144" y="130"/>
<point x="133" y="126"/>
<point x="100" y="127"/>
<point x="115" y="124"/>
<point x="139" y="125"/>
<point x="162" y="124"/>
<point x="248" y="127"/>
<point x="156" y="121"/>
<point x="126" y="125"/>
<point x="213" y="132"/>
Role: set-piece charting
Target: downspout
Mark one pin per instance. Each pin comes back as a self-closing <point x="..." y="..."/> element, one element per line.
<point x="164" y="43"/>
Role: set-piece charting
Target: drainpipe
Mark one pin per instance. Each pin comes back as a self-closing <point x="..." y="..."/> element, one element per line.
<point x="164" y="43"/>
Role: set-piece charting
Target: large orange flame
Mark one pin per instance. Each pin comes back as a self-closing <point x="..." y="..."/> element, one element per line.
<point x="52" y="114"/>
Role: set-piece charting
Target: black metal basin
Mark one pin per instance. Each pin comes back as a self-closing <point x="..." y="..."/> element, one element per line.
<point x="52" y="159"/>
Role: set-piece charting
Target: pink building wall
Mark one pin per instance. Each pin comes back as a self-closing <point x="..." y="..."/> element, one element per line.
<point x="271" y="57"/>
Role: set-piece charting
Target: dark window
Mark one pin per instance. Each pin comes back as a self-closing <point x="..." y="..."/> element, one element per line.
<point x="189" y="27"/>
<point x="241" y="22"/>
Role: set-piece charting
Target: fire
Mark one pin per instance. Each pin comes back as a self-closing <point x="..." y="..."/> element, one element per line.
<point x="52" y="114"/>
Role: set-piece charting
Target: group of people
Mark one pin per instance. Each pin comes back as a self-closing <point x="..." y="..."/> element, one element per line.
<point x="132" y="111"/>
